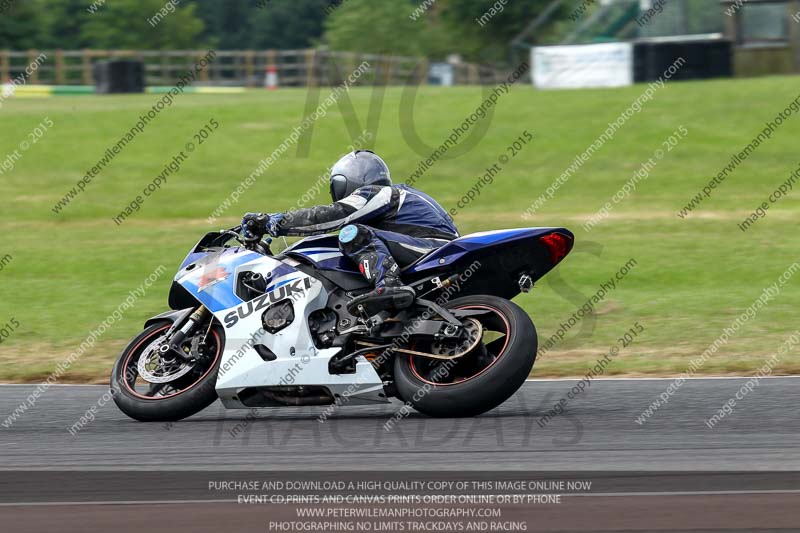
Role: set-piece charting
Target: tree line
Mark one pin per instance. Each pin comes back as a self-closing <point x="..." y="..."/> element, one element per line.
<point x="478" y="30"/>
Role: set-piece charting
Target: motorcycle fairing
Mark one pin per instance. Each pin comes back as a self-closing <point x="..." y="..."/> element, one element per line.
<point x="298" y="361"/>
<point x="518" y="249"/>
<point x="480" y="242"/>
<point x="323" y="252"/>
<point x="210" y="277"/>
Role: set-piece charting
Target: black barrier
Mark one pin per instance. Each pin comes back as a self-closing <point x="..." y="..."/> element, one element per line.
<point x="704" y="59"/>
<point x="119" y="76"/>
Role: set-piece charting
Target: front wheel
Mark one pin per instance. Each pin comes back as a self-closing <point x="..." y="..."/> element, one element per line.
<point x="151" y="387"/>
<point x="484" y="378"/>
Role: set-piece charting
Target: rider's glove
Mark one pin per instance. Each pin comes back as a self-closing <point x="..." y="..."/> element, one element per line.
<point x="254" y="226"/>
<point x="274" y="224"/>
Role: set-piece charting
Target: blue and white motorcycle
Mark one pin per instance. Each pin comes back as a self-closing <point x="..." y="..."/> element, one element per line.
<point x="257" y="329"/>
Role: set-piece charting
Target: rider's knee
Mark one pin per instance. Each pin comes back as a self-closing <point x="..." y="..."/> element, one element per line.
<point x="351" y="235"/>
<point x="348" y="234"/>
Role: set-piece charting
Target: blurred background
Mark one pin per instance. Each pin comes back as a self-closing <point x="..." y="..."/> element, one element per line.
<point x="758" y="37"/>
<point x="689" y="84"/>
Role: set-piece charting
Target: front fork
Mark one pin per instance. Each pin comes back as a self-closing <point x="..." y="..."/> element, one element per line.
<point x="178" y="337"/>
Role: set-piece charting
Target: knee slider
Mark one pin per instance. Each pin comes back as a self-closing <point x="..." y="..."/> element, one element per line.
<point x="348" y="234"/>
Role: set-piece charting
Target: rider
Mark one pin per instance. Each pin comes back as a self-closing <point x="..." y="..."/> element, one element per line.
<point x="383" y="226"/>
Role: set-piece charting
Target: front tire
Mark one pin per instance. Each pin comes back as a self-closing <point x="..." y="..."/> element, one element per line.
<point x="481" y="380"/>
<point x="166" y="402"/>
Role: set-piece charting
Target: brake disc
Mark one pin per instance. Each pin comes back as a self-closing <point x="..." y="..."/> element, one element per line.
<point x="154" y="368"/>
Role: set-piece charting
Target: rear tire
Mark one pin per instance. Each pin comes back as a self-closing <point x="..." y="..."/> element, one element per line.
<point x="194" y="396"/>
<point x="492" y="383"/>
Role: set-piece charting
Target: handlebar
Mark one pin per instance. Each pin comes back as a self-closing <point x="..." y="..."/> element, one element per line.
<point x="255" y="245"/>
<point x="225" y="235"/>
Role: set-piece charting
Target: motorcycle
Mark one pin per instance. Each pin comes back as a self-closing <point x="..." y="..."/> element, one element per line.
<point x="257" y="329"/>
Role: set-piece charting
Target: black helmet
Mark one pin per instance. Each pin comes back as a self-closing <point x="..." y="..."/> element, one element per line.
<point x="355" y="170"/>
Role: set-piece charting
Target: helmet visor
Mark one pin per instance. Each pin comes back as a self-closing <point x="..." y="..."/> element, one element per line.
<point x="338" y="187"/>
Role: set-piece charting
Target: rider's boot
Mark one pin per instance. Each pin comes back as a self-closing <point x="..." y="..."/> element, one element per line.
<point x="390" y="293"/>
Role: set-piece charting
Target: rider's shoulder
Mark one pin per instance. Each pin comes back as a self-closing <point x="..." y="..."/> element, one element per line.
<point x="368" y="191"/>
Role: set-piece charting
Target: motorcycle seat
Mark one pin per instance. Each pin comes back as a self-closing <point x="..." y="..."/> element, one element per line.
<point x="419" y="260"/>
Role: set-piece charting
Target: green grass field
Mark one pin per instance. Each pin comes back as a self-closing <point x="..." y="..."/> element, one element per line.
<point x="693" y="277"/>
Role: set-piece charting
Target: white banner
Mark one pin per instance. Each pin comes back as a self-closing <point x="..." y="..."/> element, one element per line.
<point x="582" y="66"/>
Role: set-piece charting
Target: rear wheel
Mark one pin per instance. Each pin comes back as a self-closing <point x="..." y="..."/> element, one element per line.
<point x="481" y="380"/>
<point x="153" y="387"/>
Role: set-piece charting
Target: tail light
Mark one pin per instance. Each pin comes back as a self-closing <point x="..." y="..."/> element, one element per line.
<point x="558" y="245"/>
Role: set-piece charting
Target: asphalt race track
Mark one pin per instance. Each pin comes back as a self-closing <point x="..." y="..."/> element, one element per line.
<point x="597" y="432"/>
